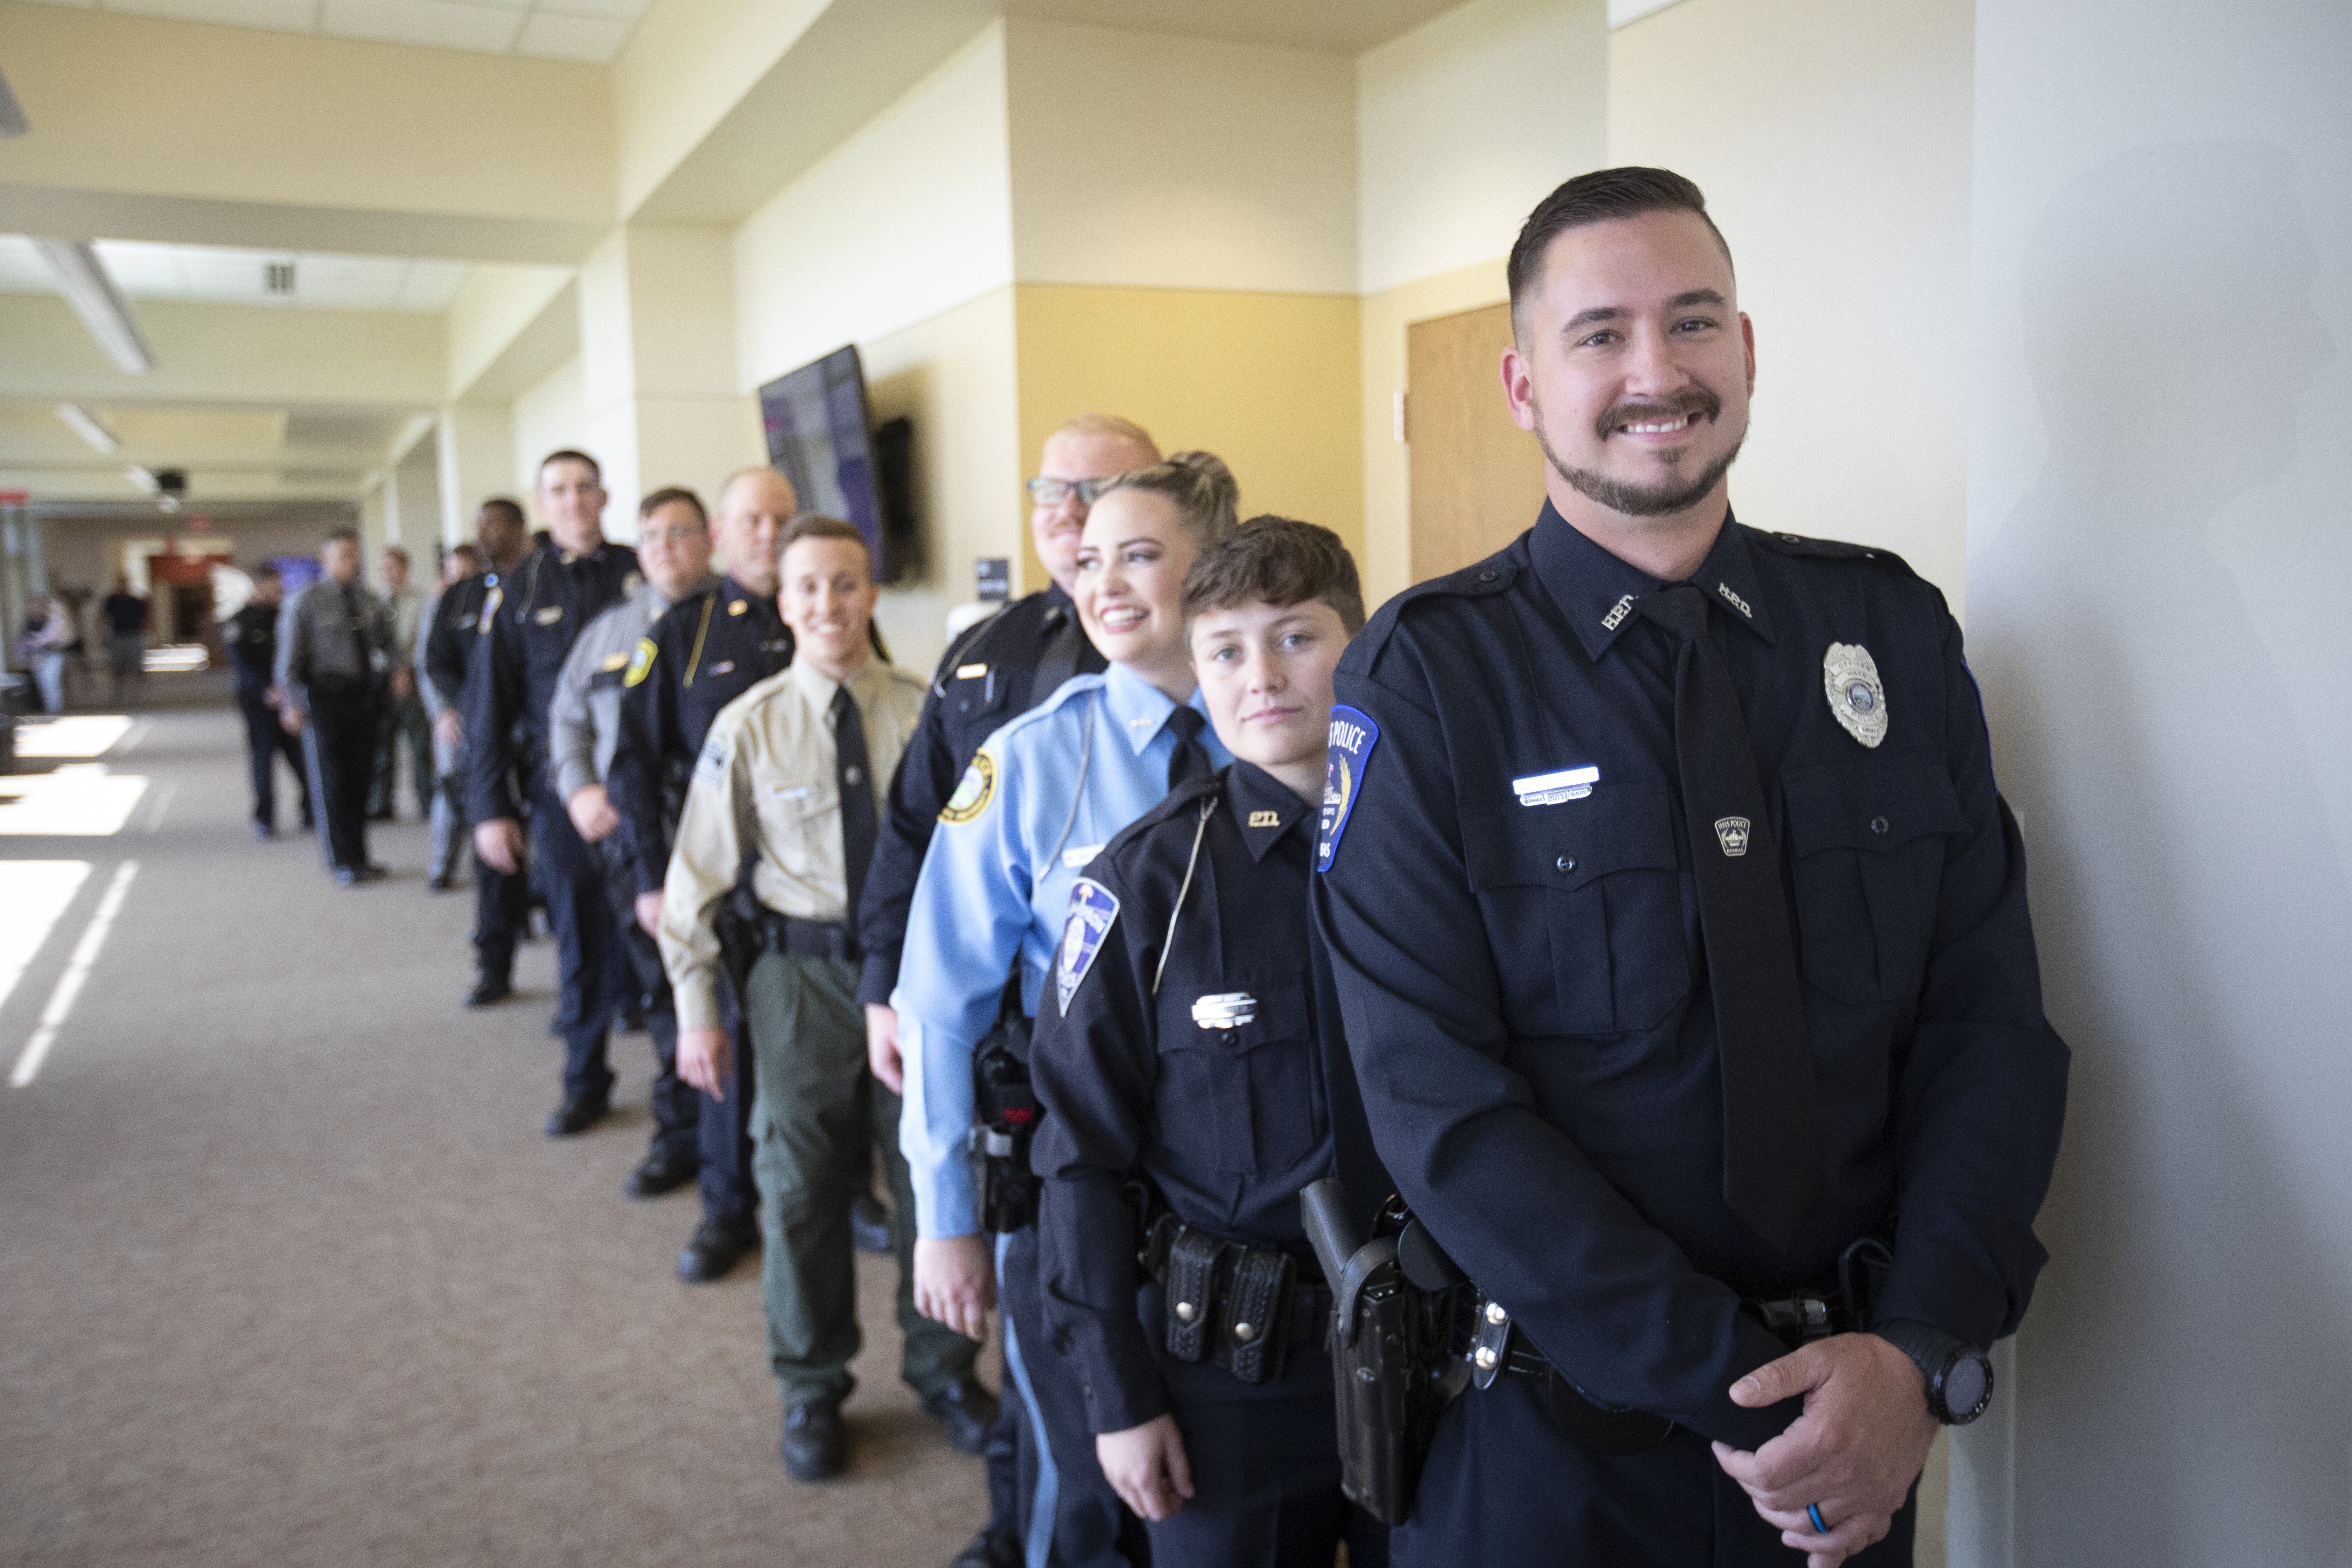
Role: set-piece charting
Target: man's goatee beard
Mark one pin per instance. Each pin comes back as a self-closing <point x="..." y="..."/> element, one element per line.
<point x="1642" y="500"/>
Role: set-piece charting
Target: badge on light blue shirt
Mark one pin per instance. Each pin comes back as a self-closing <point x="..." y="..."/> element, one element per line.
<point x="1353" y="736"/>
<point x="1092" y="908"/>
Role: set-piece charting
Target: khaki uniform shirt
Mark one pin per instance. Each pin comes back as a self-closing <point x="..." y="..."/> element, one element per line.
<point x="766" y="785"/>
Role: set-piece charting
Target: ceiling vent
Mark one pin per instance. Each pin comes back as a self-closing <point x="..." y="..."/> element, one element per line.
<point x="278" y="276"/>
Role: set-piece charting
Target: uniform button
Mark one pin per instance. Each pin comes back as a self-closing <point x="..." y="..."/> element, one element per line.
<point x="1566" y="862"/>
<point x="1878" y="824"/>
<point x="1186" y="1311"/>
<point x="1243" y="1332"/>
<point x="1485" y="576"/>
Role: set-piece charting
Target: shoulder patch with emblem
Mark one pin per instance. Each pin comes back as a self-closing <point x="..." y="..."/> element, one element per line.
<point x="1092" y="908"/>
<point x="641" y="662"/>
<point x="973" y="792"/>
<point x="490" y="603"/>
<point x="1353" y="736"/>
<point x="711" y="767"/>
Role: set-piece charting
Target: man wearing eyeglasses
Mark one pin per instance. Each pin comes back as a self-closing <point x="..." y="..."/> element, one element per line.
<point x="996" y="672"/>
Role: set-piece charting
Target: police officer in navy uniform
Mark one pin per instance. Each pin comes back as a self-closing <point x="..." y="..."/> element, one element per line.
<point x="453" y="634"/>
<point x="997" y="670"/>
<point x="530" y="620"/>
<point x="252" y="638"/>
<point x="1681" y="943"/>
<point x="1178" y="1056"/>
<point x="703" y="653"/>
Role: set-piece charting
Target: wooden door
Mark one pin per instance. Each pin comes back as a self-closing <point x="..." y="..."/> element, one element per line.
<point x="1478" y="478"/>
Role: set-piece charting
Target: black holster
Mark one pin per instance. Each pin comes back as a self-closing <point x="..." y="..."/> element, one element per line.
<point x="1005" y="1117"/>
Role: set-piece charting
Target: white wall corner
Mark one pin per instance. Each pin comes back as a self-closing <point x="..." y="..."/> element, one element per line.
<point x="1623" y="11"/>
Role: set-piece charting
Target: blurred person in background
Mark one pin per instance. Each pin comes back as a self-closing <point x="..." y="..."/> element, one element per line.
<point x="252" y="638"/>
<point x="402" y="713"/>
<point x="48" y="632"/>
<point x="126" y="616"/>
<point x="331" y="640"/>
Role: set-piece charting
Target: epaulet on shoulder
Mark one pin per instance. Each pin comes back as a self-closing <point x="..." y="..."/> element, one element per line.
<point x="1178" y="807"/>
<point x="905" y="677"/>
<point x="1478" y="579"/>
<point x="1810" y="549"/>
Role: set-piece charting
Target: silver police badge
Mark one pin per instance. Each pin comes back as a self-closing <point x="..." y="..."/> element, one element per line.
<point x="1850" y="676"/>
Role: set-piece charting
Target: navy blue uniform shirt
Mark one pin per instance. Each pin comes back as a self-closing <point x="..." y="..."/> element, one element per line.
<point x="252" y="638"/>
<point x="987" y="677"/>
<point x="704" y="653"/>
<point x="1524" y="986"/>
<point x="450" y="641"/>
<point x="528" y="622"/>
<point x="1212" y="1090"/>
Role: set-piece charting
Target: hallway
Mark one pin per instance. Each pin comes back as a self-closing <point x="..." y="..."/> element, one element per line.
<point x="291" y="1275"/>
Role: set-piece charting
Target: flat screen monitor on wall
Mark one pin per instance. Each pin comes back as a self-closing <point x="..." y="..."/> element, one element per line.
<point x="820" y="435"/>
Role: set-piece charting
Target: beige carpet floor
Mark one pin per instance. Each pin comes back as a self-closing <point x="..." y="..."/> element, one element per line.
<point x="289" y="1275"/>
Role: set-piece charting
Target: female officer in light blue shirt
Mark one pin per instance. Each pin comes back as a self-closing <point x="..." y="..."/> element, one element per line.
<point x="1040" y="799"/>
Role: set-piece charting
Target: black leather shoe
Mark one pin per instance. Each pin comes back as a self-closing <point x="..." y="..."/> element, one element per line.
<point x="966" y="1411"/>
<point x="870" y="1224"/>
<point x="663" y="1172"/>
<point x="489" y="988"/>
<point x="578" y="1113"/>
<point x="814" y="1446"/>
<point x="989" y="1549"/>
<point x="440" y="884"/>
<point x="717" y="1246"/>
<point x="373" y="873"/>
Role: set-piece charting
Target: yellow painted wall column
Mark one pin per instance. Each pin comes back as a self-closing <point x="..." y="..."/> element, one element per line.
<point x="658" y="366"/>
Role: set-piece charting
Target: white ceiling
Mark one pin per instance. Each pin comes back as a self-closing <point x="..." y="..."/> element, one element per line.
<point x="588" y="30"/>
<point x="218" y="274"/>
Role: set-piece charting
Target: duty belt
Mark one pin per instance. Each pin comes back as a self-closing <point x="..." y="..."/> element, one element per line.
<point x="804" y="939"/>
<point x="1238" y="1306"/>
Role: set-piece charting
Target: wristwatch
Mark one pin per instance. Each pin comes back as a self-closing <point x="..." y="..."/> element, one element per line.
<point x="1959" y="1376"/>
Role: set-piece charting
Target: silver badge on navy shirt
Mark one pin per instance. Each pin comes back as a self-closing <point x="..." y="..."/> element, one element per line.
<point x="1225" y="1010"/>
<point x="1857" y="699"/>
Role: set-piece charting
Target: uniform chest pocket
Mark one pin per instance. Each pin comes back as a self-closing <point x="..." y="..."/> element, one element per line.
<point x="1237" y="1085"/>
<point x="1866" y="846"/>
<point x="971" y="698"/>
<point x="791" y="815"/>
<point x="1591" y="887"/>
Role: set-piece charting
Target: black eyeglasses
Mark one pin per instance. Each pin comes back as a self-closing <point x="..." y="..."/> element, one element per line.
<point x="1054" y="493"/>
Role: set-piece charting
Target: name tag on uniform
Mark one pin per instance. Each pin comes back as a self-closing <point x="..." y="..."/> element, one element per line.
<point x="548" y="616"/>
<point x="1550" y="789"/>
<point x="616" y="661"/>
<point x="739" y="606"/>
<point x="1076" y="858"/>
<point x="1225" y="1010"/>
<point x="794" y="791"/>
<point x="721" y="668"/>
<point x="970" y="671"/>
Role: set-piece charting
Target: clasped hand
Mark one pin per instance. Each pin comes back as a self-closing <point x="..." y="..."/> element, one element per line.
<point x="1854" y="1454"/>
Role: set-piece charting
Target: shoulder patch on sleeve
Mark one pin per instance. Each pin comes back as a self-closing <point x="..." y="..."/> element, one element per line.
<point x="490" y="603"/>
<point x="641" y="662"/>
<point x="973" y="792"/>
<point x="1353" y="736"/>
<point x="1092" y="908"/>
<point x="711" y="767"/>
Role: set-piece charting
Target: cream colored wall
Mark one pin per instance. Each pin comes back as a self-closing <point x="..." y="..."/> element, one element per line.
<point x="687" y="63"/>
<point x="1387" y="557"/>
<point x="552" y="415"/>
<point x="493" y="306"/>
<point x="1142" y="159"/>
<point x="1466" y="122"/>
<point x="954" y="377"/>
<point x="135" y="104"/>
<point x="1265" y="381"/>
<point x="908" y="219"/>
<point x="1833" y="140"/>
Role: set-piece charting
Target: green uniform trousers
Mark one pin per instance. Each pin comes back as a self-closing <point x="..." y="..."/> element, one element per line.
<point x="810" y="1117"/>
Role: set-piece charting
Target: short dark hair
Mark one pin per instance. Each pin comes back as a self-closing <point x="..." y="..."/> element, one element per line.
<point x="666" y="495"/>
<point x="508" y="510"/>
<point x="341" y="536"/>
<point x="816" y="525"/>
<point x="572" y="455"/>
<point x="1604" y="195"/>
<point x="1277" y="561"/>
<point x="399" y="550"/>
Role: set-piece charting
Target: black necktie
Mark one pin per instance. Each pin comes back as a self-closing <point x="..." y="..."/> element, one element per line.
<point x="1189" y="759"/>
<point x="359" y="631"/>
<point x="1772" y="1126"/>
<point x="852" y="772"/>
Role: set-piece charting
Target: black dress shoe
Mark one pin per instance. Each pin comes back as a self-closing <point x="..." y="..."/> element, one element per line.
<point x="717" y="1246"/>
<point x="870" y="1224"/>
<point x="489" y="988"/>
<point x="578" y="1113"/>
<point x="814" y="1446"/>
<point x="662" y="1171"/>
<point x="263" y="831"/>
<point x="966" y="1411"/>
<point x="440" y="884"/>
<point x="372" y="872"/>
<point x="989" y="1548"/>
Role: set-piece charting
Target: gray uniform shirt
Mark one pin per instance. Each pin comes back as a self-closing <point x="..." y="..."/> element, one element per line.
<point x="583" y="722"/>
<point x="330" y="628"/>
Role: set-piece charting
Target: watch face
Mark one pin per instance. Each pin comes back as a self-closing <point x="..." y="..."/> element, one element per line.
<point x="1966" y="1382"/>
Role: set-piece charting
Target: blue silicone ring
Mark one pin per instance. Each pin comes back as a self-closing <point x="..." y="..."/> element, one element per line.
<point x="1813" y="1512"/>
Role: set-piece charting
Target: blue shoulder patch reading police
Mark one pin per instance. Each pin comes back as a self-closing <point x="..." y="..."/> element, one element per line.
<point x="1092" y="908"/>
<point x="1353" y="736"/>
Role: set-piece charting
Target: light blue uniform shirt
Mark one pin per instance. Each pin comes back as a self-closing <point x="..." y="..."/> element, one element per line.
<point x="1041" y="799"/>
